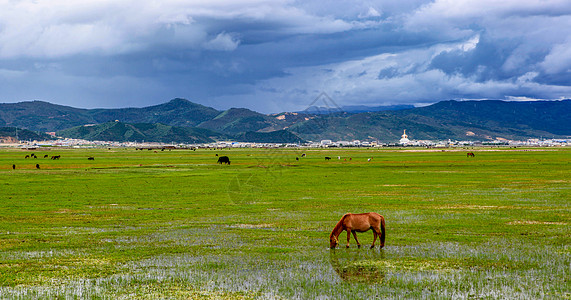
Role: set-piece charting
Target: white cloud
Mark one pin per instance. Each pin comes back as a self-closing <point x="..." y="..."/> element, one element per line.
<point x="57" y="28"/>
<point x="223" y="42"/>
<point x="538" y="23"/>
<point x="521" y="98"/>
<point x="362" y="51"/>
<point x="558" y="60"/>
<point x="527" y="77"/>
<point x="466" y="10"/>
<point x="371" y="13"/>
<point x="411" y="81"/>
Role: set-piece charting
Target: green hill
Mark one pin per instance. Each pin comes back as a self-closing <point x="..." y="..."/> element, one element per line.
<point x="239" y="120"/>
<point x="465" y="120"/>
<point x="125" y="132"/>
<point x="177" y="112"/>
<point x="18" y="134"/>
<point x="44" y="116"/>
<point x="367" y="126"/>
<point x="522" y="119"/>
<point x="278" y="137"/>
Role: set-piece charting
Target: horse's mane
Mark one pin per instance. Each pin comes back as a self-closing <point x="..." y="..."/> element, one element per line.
<point x="339" y="227"/>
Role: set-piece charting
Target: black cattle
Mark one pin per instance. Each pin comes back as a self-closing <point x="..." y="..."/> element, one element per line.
<point x="327" y="158"/>
<point x="224" y="160"/>
<point x="13" y="167"/>
<point x="297" y="158"/>
<point x="37" y="166"/>
<point x="27" y="156"/>
<point x="56" y="157"/>
<point x="91" y="158"/>
<point x="46" y="156"/>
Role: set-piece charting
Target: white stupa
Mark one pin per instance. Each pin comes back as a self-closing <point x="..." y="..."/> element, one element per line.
<point x="404" y="138"/>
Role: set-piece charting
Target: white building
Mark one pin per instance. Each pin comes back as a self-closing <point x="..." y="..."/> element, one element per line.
<point x="404" y="139"/>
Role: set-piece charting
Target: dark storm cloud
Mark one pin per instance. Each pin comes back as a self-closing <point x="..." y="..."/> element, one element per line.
<point x="279" y="55"/>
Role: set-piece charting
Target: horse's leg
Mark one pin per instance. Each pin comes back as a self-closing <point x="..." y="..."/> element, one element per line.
<point x="348" y="237"/>
<point x="355" y="236"/>
<point x="375" y="234"/>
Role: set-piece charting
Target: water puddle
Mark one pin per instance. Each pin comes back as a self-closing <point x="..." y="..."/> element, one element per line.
<point x="358" y="266"/>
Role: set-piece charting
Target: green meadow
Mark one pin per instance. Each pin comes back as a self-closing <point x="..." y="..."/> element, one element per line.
<point x="134" y="224"/>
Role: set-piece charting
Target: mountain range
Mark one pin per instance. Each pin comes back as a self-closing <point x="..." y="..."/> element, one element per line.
<point x="180" y="120"/>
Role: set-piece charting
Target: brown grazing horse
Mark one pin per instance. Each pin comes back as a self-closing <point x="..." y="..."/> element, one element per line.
<point x="353" y="223"/>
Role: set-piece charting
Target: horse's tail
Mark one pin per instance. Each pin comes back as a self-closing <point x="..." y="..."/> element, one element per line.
<point x="382" y="231"/>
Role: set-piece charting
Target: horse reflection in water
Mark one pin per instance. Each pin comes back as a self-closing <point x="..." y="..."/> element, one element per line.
<point x="353" y="266"/>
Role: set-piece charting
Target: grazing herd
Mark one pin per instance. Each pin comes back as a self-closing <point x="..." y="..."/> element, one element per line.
<point x="45" y="156"/>
<point x="226" y="160"/>
<point x="53" y="157"/>
<point x="221" y="159"/>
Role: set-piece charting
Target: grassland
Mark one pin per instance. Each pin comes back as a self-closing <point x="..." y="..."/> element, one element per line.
<point x="174" y="224"/>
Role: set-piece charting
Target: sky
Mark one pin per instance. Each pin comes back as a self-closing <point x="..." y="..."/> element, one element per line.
<point x="280" y="55"/>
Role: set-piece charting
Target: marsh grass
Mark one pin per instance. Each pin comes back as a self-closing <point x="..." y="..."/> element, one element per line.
<point x="174" y="224"/>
